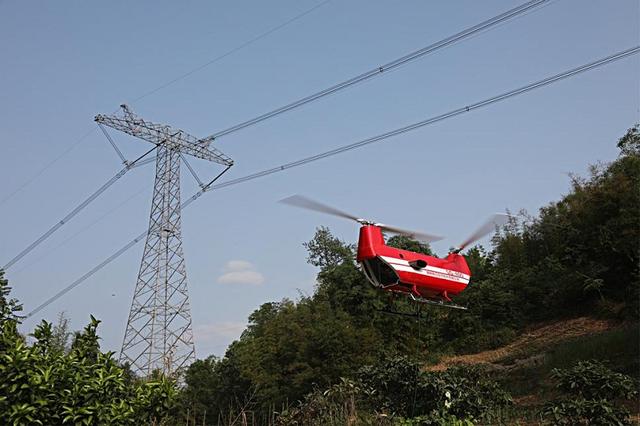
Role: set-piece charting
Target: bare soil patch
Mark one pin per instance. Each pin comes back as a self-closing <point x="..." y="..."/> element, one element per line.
<point x="529" y="348"/>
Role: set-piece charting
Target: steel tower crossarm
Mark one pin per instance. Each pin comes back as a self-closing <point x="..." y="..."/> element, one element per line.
<point x="168" y="136"/>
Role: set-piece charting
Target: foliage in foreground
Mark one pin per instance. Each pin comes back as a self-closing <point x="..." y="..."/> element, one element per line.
<point x="395" y="391"/>
<point x="399" y="386"/>
<point x="44" y="384"/>
<point x="590" y="396"/>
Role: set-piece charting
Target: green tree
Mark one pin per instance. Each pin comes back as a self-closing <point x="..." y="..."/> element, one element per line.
<point x="306" y="344"/>
<point x="326" y="251"/>
<point x="9" y="308"/>
<point x="61" y="334"/>
<point x="404" y="242"/>
<point x="629" y="144"/>
<point x="216" y="386"/>
<point x="42" y="384"/>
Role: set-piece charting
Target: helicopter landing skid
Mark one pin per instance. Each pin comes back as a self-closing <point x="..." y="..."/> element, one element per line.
<point x="440" y="303"/>
<point x="404" y="314"/>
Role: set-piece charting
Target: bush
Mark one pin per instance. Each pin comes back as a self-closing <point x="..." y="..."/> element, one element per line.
<point x="399" y="387"/>
<point x="392" y="381"/>
<point x="593" y="380"/>
<point x="447" y="420"/>
<point x="591" y="391"/>
<point x="395" y="391"/>
<point x="337" y="405"/>
<point x="586" y="412"/>
<point x="464" y="392"/>
<point x="43" y="385"/>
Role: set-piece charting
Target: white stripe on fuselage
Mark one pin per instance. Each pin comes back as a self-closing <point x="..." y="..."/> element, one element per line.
<point x="431" y="271"/>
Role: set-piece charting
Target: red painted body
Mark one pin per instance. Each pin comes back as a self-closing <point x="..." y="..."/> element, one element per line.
<point x="407" y="272"/>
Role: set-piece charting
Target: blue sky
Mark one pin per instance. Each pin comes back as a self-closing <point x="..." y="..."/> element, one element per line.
<point x="64" y="62"/>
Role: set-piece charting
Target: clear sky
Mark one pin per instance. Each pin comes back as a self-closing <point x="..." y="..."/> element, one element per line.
<point x="65" y="61"/>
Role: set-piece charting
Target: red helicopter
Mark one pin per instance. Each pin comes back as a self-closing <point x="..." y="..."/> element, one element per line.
<point x="423" y="278"/>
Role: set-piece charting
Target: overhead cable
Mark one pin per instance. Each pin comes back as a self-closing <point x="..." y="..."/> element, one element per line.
<point x="47" y="166"/>
<point x="445" y="42"/>
<point x="469" y="32"/>
<point x="82" y="230"/>
<point x="118" y="253"/>
<point x="230" y="51"/>
<point x="77" y="209"/>
<point x="470" y="107"/>
<point x="158" y="88"/>
<point x="453" y="113"/>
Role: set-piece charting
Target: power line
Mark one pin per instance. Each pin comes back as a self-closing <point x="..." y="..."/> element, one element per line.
<point x="446" y="42"/>
<point x="512" y="13"/>
<point x="483" y="103"/>
<point x="88" y="274"/>
<point x="76" y="210"/>
<point x="432" y="120"/>
<point x="435" y="119"/>
<point x="483" y="26"/>
<point x="158" y="88"/>
<point x="85" y="228"/>
<point x="230" y="51"/>
<point x="47" y="166"/>
<point x="117" y="254"/>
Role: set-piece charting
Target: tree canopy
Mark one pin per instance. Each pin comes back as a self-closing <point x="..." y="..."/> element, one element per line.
<point x="44" y="384"/>
<point x="578" y="256"/>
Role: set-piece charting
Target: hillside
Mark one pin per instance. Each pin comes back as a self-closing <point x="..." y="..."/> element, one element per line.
<point x="523" y="366"/>
<point x="530" y="346"/>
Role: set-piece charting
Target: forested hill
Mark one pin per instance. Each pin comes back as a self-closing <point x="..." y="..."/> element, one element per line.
<point x="577" y="257"/>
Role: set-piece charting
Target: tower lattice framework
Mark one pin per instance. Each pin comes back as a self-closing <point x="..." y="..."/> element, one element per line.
<point x="158" y="335"/>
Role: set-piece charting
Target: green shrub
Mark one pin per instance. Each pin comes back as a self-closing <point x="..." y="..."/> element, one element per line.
<point x="42" y="385"/>
<point x="590" y="392"/>
<point x="585" y="412"/>
<point x="397" y="386"/>
<point x="593" y="380"/>
<point x="464" y="392"/>
<point x="393" y="381"/>
<point x="337" y="405"/>
<point x="439" y="420"/>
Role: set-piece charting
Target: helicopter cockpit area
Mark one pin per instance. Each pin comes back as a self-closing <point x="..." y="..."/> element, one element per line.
<point x="379" y="273"/>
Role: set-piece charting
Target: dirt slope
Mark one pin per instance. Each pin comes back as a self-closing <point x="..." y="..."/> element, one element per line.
<point x="529" y="347"/>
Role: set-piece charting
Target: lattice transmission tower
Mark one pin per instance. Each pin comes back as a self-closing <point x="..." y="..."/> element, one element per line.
<point x="158" y="334"/>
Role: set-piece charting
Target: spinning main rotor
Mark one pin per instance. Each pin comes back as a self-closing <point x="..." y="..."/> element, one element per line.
<point x="489" y="225"/>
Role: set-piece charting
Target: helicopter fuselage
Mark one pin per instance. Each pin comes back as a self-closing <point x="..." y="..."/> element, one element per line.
<point x="414" y="274"/>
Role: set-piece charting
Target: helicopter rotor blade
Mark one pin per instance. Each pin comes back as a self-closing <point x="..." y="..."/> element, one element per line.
<point x="420" y="236"/>
<point x="489" y="225"/>
<point x="309" y="204"/>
